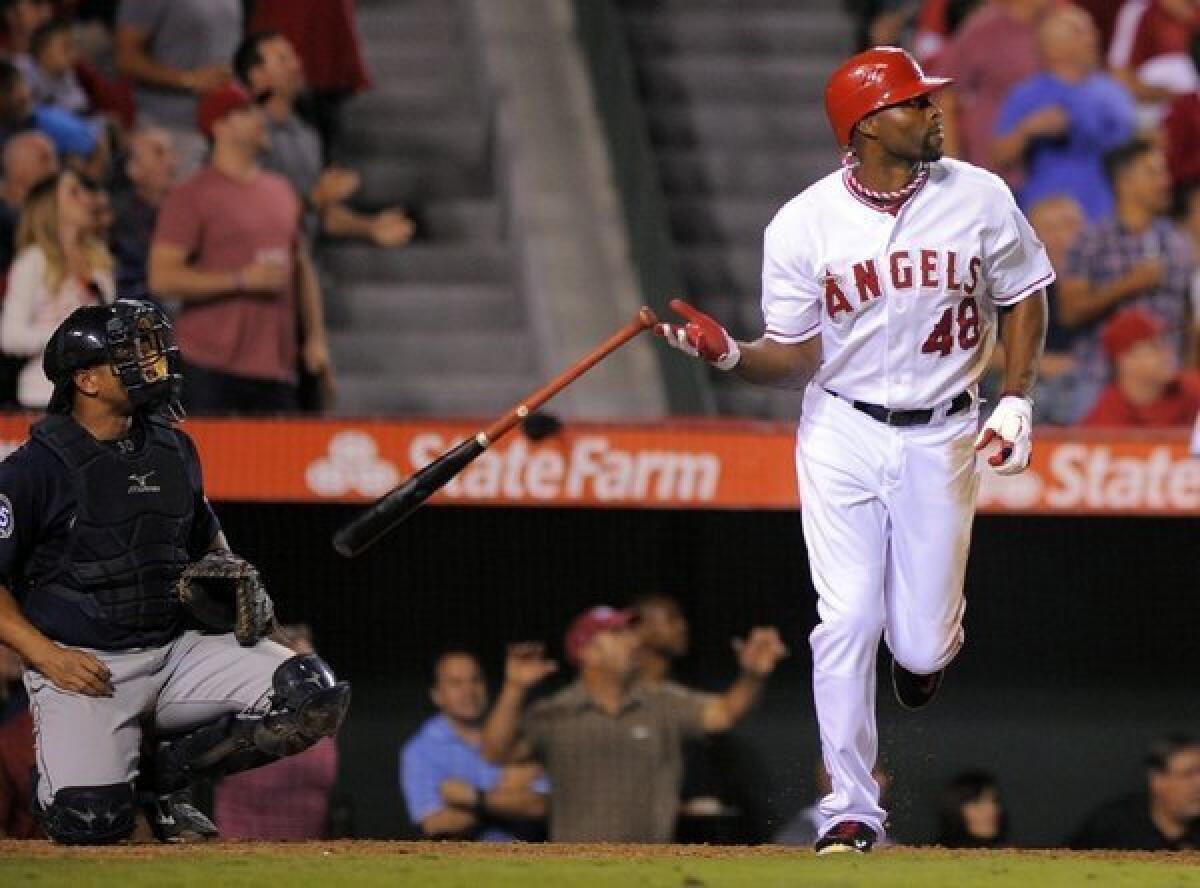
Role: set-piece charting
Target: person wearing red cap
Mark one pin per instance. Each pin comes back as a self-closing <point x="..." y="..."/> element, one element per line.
<point x="612" y="747"/>
<point x="228" y="245"/>
<point x="1147" y="390"/>
<point x="886" y="286"/>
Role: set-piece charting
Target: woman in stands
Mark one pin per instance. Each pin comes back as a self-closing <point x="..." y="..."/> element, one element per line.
<point x="61" y="264"/>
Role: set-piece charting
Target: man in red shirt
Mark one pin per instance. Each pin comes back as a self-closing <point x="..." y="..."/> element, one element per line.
<point x="1147" y="390"/>
<point x="228" y="245"/>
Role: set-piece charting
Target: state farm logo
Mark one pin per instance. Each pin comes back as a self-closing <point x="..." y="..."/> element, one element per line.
<point x="1098" y="478"/>
<point x="586" y="469"/>
<point x="352" y="466"/>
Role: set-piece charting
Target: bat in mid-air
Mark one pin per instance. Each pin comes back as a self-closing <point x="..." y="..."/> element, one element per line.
<point x="396" y="505"/>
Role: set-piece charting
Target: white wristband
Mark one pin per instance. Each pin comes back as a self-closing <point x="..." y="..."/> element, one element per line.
<point x="730" y="359"/>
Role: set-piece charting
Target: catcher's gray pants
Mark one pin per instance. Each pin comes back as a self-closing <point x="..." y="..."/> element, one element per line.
<point x="94" y="741"/>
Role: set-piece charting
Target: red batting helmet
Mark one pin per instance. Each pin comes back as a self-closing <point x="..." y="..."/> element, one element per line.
<point x="871" y="80"/>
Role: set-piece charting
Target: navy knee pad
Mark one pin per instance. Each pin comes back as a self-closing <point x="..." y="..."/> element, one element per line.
<point x="89" y="815"/>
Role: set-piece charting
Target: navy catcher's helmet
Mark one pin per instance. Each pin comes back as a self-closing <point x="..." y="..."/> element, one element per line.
<point x="132" y="335"/>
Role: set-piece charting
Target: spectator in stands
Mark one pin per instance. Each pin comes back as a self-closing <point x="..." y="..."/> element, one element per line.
<point x="151" y="170"/>
<point x="49" y="69"/>
<point x="993" y="51"/>
<point x="1058" y="222"/>
<point x="1147" y="390"/>
<point x="176" y="51"/>
<point x="108" y="91"/>
<point x="1062" y="121"/>
<point x="805" y="826"/>
<point x="1150" y="54"/>
<point x="1104" y="14"/>
<point x="75" y="140"/>
<point x="1164" y="818"/>
<point x="16" y="752"/>
<point x="60" y="266"/>
<point x="880" y="22"/>
<point x="1137" y="258"/>
<point x="449" y="788"/>
<point x="104" y="218"/>
<point x="1181" y="130"/>
<point x="288" y="799"/>
<point x="28" y="159"/>
<point x="971" y="813"/>
<point x="612" y="747"/>
<point x="325" y="35"/>
<point x="663" y="631"/>
<point x="21" y="19"/>
<point x="663" y="635"/>
<point x="937" y="22"/>
<point x="269" y="66"/>
<point x="228" y="246"/>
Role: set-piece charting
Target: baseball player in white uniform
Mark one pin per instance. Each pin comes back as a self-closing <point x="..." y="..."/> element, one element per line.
<point x="885" y="287"/>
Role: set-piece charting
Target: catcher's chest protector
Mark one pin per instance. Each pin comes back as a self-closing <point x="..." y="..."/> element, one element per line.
<point x="128" y="541"/>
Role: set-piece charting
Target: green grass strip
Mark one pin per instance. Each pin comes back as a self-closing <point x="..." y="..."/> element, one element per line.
<point x="309" y="867"/>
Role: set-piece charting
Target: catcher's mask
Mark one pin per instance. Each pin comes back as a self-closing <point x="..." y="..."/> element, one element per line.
<point x="132" y="335"/>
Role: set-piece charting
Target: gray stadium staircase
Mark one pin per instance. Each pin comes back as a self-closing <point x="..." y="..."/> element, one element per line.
<point x="733" y="93"/>
<point x="440" y="326"/>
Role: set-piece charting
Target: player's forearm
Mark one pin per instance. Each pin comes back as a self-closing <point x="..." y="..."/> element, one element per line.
<point x="500" y="729"/>
<point x="1023" y="336"/>
<point x="731" y="707"/>
<point x="766" y="362"/>
<point x="18" y="633"/>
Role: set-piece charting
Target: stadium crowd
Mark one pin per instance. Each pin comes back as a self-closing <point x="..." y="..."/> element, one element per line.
<point x="181" y="151"/>
<point x="1090" y="111"/>
<point x="614" y="756"/>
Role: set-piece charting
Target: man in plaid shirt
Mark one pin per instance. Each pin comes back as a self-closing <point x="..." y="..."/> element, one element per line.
<point x="1137" y="258"/>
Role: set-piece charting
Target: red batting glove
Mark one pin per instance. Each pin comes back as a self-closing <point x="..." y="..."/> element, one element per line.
<point x="700" y="337"/>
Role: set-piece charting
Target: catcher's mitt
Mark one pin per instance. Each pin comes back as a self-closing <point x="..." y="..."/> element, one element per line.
<point x="223" y="593"/>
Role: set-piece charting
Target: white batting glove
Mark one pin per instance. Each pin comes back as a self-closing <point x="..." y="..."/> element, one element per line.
<point x="1011" y="424"/>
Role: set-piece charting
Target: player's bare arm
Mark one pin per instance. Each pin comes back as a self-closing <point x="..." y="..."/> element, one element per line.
<point x="525" y="667"/>
<point x="1080" y="302"/>
<point x="764" y="361"/>
<point x="1023" y="336"/>
<point x="68" y="669"/>
<point x="758" y="654"/>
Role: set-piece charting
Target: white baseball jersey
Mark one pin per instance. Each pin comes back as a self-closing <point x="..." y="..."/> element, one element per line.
<point x="905" y="304"/>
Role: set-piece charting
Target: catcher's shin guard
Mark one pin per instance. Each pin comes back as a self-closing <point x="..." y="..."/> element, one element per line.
<point x="307" y="703"/>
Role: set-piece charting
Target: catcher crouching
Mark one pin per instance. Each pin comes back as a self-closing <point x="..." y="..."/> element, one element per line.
<point x="142" y="633"/>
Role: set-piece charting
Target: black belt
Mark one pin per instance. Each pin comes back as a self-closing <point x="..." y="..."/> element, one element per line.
<point x="887" y="416"/>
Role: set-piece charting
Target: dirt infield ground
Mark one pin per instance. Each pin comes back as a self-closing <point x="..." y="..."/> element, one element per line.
<point x="434" y="865"/>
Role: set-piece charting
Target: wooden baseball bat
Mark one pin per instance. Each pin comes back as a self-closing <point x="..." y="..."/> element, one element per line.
<point x="393" y="507"/>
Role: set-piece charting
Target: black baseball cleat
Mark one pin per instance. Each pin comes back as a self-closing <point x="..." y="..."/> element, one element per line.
<point x="915" y="691"/>
<point x="174" y="819"/>
<point x="847" y="837"/>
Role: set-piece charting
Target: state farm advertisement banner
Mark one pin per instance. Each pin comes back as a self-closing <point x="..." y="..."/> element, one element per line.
<point x="718" y="464"/>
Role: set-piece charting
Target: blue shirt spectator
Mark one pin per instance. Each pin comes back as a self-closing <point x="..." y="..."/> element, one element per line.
<point x="1136" y="259"/>
<point x="1059" y="123"/>
<point x="1100" y="116"/>
<point x="449" y="788"/>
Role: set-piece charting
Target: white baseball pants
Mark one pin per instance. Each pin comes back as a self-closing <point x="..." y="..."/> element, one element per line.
<point x="887" y="523"/>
